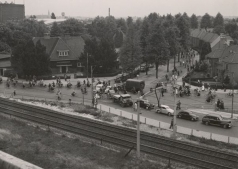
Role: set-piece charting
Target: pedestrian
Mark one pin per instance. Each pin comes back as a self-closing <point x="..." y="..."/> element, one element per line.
<point x="162" y="92"/>
<point x="135" y="106"/>
<point x="172" y="123"/>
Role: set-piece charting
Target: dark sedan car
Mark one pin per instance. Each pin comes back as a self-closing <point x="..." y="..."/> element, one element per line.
<point x="144" y="103"/>
<point x="187" y="115"/>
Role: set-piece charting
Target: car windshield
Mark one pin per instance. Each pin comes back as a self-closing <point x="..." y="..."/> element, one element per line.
<point x="166" y="107"/>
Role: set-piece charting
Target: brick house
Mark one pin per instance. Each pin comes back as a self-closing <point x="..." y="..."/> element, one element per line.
<point x="64" y="53"/>
<point x="224" y="61"/>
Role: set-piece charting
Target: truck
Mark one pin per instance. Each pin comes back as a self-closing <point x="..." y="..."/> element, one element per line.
<point x="123" y="99"/>
<point x="137" y="85"/>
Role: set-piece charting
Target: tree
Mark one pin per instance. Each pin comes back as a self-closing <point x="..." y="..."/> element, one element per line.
<point x="28" y="59"/>
<point x="101" y="54"/>
<point x="206" y="21"/>
<point x="184" y="37"/>
<point x="157" y="47"/>
<point x="4" y="47"/>
<point x="194" y="21"/>
<point x="53" y="16"/>
<point x="118" y="39"/>
<point x="144" y="33"/>
<point x="218" y="20"/>
<point x="172" y="37"/>
<point x="55" y="30"/>
<point x="219" y="29"/>
<point x="204" y="49"/>
<point x="231" y="27"/>
<point x="103" y="27"/>
<point x="72" y="26"/>
<point x="121" y="23"/>
<point x="130" y="54"/>
<point x="129" y="21"/>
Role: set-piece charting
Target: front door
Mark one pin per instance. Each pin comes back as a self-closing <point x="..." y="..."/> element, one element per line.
<point x="63" y="69"/>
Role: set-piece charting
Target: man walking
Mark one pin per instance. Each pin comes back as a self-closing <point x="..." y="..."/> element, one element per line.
<point x="172" y="123"/>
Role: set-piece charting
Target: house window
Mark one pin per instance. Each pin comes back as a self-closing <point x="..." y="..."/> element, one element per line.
<point x="64" y="53"/>
<point x="79" y="64"/>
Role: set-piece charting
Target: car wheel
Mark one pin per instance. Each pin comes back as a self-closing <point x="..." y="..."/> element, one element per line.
<point x="192" y="119"/>
<point x="207" y="123"/>
<point x="224" y="126"/>
<point x="169" y="114"/>
<point x="179" y="116"/>
<point x="146" y="108"/>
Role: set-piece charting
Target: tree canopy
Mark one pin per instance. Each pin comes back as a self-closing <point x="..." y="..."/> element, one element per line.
<point x="30" y="59"/>
<point x="218" y="20"/>
<point x="55" y="30"/>
<point x="206" y="21"/>
<point x="101" y="54"/>
<point x="53" y="16"/>
<point x="194" y="22"/>
<point x="130" y="54"/>
<point x="72" y="26"/>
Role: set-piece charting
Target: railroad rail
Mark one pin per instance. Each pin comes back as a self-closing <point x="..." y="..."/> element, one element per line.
<point x="184" y="152"/>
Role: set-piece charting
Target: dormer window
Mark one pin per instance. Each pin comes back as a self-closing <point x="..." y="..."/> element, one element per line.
<point x="63" y="52"/>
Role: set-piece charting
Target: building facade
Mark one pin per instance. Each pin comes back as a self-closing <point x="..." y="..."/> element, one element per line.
<point x="64" y="53"/>
<point x="5" y="63"/>
<point x="11" y="12"/>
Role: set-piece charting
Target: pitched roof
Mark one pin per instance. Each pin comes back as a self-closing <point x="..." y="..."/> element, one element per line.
<point x="230" y="55"/>
<point x="5" y="63"/>
<point x="5" y="55"/>
<point x="49" y="43"/>
<point x="75" y="46"/>
<point x="202" y="34"/>
<point x="217" y="53"/>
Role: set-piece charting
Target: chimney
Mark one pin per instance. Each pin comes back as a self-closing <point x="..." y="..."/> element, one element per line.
<point x="46" y="35"/>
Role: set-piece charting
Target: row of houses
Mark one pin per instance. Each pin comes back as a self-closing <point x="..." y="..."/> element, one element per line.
<point x="223" y="57"/>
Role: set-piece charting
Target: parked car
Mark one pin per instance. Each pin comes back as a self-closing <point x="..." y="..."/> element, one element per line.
<point x="184" y="114"/>
<point x="123" y="99"/>
<point x="213" y="119"/>
<point x="144" y="103"/>
<point x="165" y="110"/>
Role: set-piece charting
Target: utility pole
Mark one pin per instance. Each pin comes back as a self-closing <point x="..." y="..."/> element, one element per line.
<point x="92" y="81"/>
<point x="87" y="65"/>
<point x="174" y="123"/>
<point x="232" y="94"/>
<point x="138" y="128"/>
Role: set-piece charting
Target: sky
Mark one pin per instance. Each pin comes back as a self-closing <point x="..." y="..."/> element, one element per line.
<point x="125" y="8"/>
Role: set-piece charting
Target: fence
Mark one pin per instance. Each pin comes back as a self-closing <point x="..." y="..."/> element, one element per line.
<point x="163" y="125"/>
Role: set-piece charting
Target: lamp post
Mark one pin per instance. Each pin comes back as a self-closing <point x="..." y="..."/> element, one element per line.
<point x="174" y="123"/>
<point x="138" y="120"/>
<point x="92" y="82"/>
<point x="87" y="65"/>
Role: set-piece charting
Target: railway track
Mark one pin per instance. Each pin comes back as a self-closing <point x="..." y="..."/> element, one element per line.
<point x="150" y="143"/>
